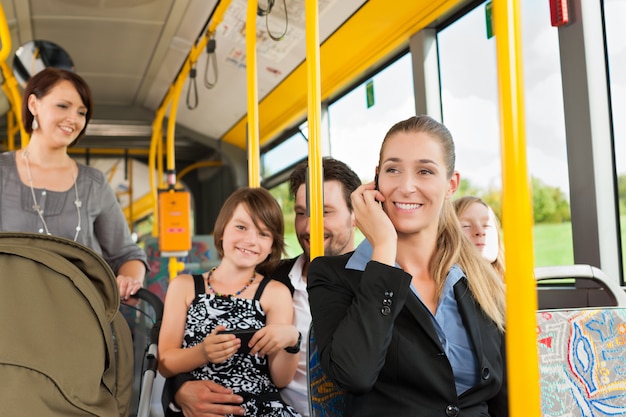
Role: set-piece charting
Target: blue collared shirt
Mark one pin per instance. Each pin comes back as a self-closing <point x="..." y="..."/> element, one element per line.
<point x="447" y="321"/>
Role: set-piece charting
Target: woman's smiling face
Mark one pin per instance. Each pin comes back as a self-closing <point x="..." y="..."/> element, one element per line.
<point x="413" y="177"/>
<point x="61" y="113"/>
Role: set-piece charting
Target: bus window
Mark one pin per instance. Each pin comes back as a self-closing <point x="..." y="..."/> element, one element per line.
<point x="358" y="123"/>
<point x="616" y="46"/>
<point x="290" y="151"/>
<point x="470" y="110"/>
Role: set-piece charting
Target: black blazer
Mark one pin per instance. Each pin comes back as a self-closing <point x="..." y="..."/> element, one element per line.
<point x="377" y="341"/>
<point x="281" y="273"/>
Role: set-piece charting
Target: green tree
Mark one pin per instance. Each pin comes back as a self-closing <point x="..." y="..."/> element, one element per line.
<point x="281" y="194"/>
<point x="492" y="196"/>
<point x="549" y="203"/>
<point x="466" y="188"/>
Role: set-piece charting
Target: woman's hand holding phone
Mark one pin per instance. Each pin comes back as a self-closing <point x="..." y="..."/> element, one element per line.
<point x="373" y="222"/>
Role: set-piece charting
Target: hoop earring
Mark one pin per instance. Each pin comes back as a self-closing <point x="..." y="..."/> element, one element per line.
<point x="35" y="124"/>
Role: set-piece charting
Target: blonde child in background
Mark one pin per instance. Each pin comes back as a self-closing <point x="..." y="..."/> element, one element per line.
<point x="481" y="226"/>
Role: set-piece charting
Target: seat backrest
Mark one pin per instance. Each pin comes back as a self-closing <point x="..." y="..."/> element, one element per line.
<point x="582" y="362"/>
<point x="577" y="286"/>
<point x="326" y="399"/>
<point x="59" y="354"/>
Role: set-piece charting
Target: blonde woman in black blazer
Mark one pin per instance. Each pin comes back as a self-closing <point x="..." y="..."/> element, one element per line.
<point x="412" y="322"/>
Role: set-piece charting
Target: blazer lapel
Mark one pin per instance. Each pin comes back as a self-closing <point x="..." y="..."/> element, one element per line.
<point x="471" y="316"/>
<point x="423" y="318"/>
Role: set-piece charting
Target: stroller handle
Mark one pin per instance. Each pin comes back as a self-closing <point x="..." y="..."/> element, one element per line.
<point x="151" y="299"/>
<point x="156" y="303"/>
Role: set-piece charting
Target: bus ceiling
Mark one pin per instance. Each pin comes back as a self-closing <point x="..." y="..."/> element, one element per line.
<point x="131" y="52"/>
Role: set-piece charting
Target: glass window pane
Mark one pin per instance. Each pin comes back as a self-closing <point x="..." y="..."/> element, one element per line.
<point x="545" y="136"/>
<point x="356" y="130"/>
<point x="615" y="10"/>
<point x="286" y="154"/>
<point x="470" y="110"/>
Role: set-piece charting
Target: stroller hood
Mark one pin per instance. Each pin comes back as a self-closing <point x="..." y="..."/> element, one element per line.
<point x="58" y="302"/>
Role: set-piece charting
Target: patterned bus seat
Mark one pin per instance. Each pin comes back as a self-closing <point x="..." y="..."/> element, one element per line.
<point x="325" y="398"/>
<point x="582" y="362"/>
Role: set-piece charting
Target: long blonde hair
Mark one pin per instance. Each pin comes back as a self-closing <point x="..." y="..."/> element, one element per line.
<point x="453" y="247"/>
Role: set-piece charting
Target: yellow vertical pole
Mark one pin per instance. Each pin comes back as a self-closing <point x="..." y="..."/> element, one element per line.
<point x="171" y="100"/>
<point x="522" y="356"/>
<point x="254" y="172"/>
<point x="155" y="163"/>
<point x="131" y="200"/>
<point x="10" y="86"/>
<point x="314" y="98"/>
<point x="170" y="149"/>
<point x="11" y="129"/>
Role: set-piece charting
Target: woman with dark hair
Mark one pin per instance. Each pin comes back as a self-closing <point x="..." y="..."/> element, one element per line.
<point x="412" y="322"/>
<point x="45" y="191"/>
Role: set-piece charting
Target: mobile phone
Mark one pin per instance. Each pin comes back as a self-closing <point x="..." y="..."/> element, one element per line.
<point x="244" y="334"/>
<point x="377" y="189"/>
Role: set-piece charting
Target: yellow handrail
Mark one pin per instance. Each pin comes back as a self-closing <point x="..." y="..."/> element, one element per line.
<point x="5" y="36"/>
<point x="522" y="363"/>
<point x="155" y="146"/>
<point x="141" y="207"/>
<point x="10" y="86"/>
<point x="314" y="98"/>
<point x="13" y="126"/>
<point x="201" y="164"/>
<point x="171" y="100"/>
<point x="254" y="177"/>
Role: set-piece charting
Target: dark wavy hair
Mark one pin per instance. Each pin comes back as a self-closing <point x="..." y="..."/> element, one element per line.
<point x="333" y="169"/>
<point x="40" y="85"/>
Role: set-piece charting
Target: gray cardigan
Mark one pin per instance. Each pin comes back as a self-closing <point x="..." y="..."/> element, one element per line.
<point x="103" y="226"/>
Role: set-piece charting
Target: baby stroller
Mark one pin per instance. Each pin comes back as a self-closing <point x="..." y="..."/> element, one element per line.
<point x="66" y="350"/>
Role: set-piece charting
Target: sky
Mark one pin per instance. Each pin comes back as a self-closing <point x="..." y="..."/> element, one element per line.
<point x="470" y="97"/>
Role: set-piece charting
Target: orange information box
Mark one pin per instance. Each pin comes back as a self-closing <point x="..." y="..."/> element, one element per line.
<point x="174" y="222"/>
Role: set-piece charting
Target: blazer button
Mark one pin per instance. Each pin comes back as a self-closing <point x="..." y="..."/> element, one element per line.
<point x="485" y="374"/>
<point x="452" y="411"/>
<point x="386" y="310"/>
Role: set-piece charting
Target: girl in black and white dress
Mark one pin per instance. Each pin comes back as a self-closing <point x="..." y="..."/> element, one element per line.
<point x="234" y="296"/>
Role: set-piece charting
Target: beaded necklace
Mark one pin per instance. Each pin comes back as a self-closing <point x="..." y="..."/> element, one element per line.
<point x="38" y="208"/>
<point x="212" y="291"/>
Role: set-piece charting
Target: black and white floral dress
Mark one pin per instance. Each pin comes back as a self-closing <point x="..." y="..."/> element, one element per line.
<point x="247" y="375"/>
